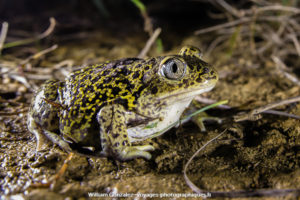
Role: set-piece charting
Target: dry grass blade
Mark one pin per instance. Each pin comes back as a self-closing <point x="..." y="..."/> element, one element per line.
<point x="149" y="43"/>
<point x="39" y="54"/>
<point x="251" y="115"/>
<point x="282" y="68"/>
<point x="3" y="34"/>
<point x="229" y="8"/>
<point x="225" y="25"/>
<point x="296" y="43"/>
<point x="279" y="8"/>
<point x="30" y="40"/>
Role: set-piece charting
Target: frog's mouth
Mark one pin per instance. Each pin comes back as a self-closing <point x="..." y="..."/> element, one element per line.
<point x="186" y="94"/>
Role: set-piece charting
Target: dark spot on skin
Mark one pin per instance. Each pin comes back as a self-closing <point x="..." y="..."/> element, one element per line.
<point x="137" y="93"/>
<point x="88" y="112"/>
<point x="138" y="66"/>
<point x="102" y="98"/>
<point x="147" y="67"/>
<point x="193" y="49"/>
<point x="124" y="142"/>
<point x="107" y="80"/>
<point x="83" y="120"/>
<point x="115" y="65"/>
<point x="116" y="135"/>
<point x="83" y="103"/>
<point x="136" y="75"/>
<point x="125" y="136"/>
<point x="199" y="80"/>
<point x="124" y="71"/>
<point x="154" y="90"/>
<point x="93" y="101"/>
<point x="212" y="73"/>
<point x="184" y="53"/>
<point x="104" y="73"/>
<point x="123" y="102"/>
<point x="115" y="91"/>
<point x="116" y="144"/>
<point x="124" y="93"/>
<point x="91" y="89"/>
<point x="128" y="61"/>
<point x="103" y="140"/>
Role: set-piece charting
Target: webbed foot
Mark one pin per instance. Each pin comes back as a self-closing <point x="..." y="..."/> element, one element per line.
<point x="201" y="117"/>
<point x="132" y="152"/>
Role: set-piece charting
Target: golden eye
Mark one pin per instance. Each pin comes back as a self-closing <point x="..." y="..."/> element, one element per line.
<point x="173" y="69"/>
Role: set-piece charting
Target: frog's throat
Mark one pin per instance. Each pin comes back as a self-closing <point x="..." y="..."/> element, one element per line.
<point x="183" y="95"/>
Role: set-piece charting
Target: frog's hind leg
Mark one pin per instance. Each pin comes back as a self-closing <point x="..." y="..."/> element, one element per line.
<point x="114" y="137"/>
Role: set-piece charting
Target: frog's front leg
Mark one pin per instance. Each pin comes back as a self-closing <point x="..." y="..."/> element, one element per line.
<point x="114" y="137"/>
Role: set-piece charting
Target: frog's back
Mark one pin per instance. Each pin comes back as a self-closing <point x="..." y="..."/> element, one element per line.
<point x="89" y="89"/>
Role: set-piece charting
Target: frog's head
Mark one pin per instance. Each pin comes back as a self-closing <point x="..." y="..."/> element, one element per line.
<point x="180" y="77"/>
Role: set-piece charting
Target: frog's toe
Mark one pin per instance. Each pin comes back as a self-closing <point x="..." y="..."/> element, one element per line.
<point x="145" y="148"/>
<point x="199" y="119"/>
<point x="136" y="152"/>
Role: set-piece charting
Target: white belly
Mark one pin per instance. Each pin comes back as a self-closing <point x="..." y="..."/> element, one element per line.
<point x="155" y="128"/>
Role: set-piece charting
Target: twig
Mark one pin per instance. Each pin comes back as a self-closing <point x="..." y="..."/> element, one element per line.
<point x="39" y="54"/>
<point x="229" y="8"/>
<point x="278" y="7"/>
<point x="13" y="113"/>
<point x="253" y="113"/>
<point x="296" y="43"/>
<point x="149" y="43"/>
<point x="3" y="34"/>
<point x="280" y="65"/>
<point x="225" y="25"/>
<point x="283" y="68"/>
<point x="276" y="112"/>
<point x="38" y="76"/>
<point x="30" y="40"/>
<point x="215" y="43"/>
<point x="68" y="63"/>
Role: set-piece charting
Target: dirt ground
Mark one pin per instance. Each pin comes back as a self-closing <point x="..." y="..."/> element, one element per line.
<point x="250" y="155"/>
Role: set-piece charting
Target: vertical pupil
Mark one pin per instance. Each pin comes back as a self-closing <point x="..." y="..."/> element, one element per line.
<point x="174" y="68"/>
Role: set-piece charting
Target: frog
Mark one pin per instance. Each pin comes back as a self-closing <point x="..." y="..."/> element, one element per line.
<point x="103" y="109"/>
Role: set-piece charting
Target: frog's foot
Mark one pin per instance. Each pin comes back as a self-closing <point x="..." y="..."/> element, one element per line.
<point x="56" y="139"/>
<point x="131" y="152"/>
<point x="42" y="142"/>
<point x="201" y="117"/>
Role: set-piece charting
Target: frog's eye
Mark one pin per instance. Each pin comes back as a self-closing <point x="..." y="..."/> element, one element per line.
<point x="173" y="69"/>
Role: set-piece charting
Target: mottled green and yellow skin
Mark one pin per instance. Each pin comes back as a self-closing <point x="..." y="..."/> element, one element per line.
<point x="101" y="109"/>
